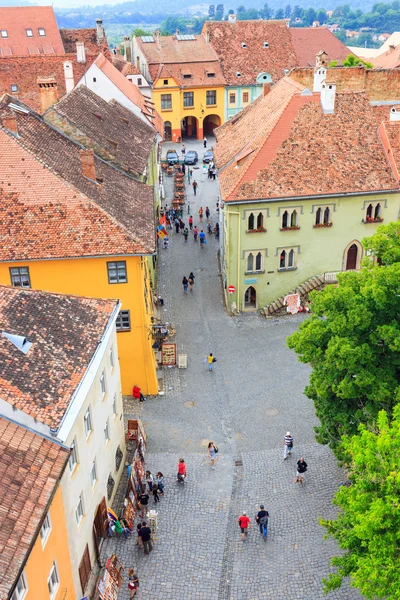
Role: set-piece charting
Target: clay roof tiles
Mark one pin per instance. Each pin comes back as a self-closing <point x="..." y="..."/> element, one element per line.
<point x="177" y="51"/>
<point x="31" y="466"/>
<point x="17" y="20"/>
<point x="308" y="41"/>
<point x="93" y="46"/>
<point x="124" y="67"/>
<point x="42" y="382"/>
<point x="197" y="73"/>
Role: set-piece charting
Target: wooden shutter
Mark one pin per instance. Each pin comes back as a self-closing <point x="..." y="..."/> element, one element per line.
<point x="85" y="568"/>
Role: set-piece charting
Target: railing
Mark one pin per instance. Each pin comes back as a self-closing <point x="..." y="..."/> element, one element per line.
<point x="331" y="277"/>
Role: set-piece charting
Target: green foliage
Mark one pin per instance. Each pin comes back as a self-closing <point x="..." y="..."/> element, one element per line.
<point x="368" y="525"/>
<point x="385" y="243"/>
<point x="352" y="342"/>
<point x="288" y="11"/>
<point x="172" y="23"/>
<point x="333" y="63"/>
<point x="211" y="10"/>
<point x="382" y="17"/>
<point x="354" y="61"/>
<point x="279" y="14"/>
<point x="139" y="32"/>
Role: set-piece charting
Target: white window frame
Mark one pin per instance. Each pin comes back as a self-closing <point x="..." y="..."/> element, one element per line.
<point x="93" y="474"/>
<point x="87" y="420"/>
<point x="112" y="359"/>
<point x="53" y="590"/>
<point x="115" y="406"/>
<point x="20" y="594"/>
<point x="4" y="33"/>
<point x="103" y="384"/>
<point x="29" y="33"/>
<point x="73" y="459"/>
<point x="40" y="29"/>
<point x="79" y="514"/>
<point x="255" y="254"/>
<point x="45" y="530"/>
<point x="287" y="251"/>
<point x="107" y="431"/>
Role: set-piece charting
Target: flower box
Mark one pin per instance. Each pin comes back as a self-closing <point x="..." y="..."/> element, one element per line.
<point x="258" y="230"/>
<point x="321" y="225"/>
<point x="290" y="228"/>
<point x="373" y="220"/>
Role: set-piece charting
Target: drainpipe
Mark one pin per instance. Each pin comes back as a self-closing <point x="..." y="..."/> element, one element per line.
<point x="233" y="212"/>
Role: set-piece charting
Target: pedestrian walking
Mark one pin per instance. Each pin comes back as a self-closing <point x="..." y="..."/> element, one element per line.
<point x="205" y="142"/>
<point x="191" y="222"/>
<point x="195" y="233"/>
<point x="211" y="360"/>
<point x="287" y="445"/>
<point x="139" y="539"/>
<point x="181" y="225"/>
<point x="244" y="523"/>
<point x="209" y="228"/>
<point x="216" y="230"/>
<point x="144" y="501"/>
<point x="176" y="225"/>
<point x="202" y="237"/>
<point x="166" y="243"/>
<point x="201" y="214"/>
<point x="183" y="168"/>
<point x="183" y="150"/>
<point x="149" y="479"/>
<point x="214" y="173"/>
<point x="301" y="470"/>
<point x="191" y="281"/>
<point x="155" y="493"/>
<point x="194" y="185"/>
<point x="185" y="284"/>
<point x="145" y="534"/>
<point x="209" y="172"/>
<point x="262" y="520"/>
<point x="160" y="482"/>
<point x="133" y="583"/>
<point x="212" y="453"/>
<point x="186" y="233"/>
<point x="207" y="212"/>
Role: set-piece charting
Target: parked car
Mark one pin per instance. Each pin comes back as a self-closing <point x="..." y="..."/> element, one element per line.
<point x="172" y="157"/>
<point x="191" y="157"/>
<point x="208" y="156"/>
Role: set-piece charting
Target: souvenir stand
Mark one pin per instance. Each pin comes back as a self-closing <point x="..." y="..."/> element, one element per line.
<point x="109" y="585"/>
<point x="136" y="470"/>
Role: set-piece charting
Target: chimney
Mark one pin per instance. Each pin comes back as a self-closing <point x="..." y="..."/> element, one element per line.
<point x="177" y="32"/>
<point x="48" y="92"/>
<point x="68" y="76"/>
<point x="207" y="36"/>
<point x="99" y="30"/>
<point x="266" y="88"/>
<point x="127" y="48"/>
<point x="80" y="52"/>
<point x="394" y="114"/>
<point x="321" y="59"/>
<point x="319" y="78"/>
<point x="88" y="168"/>
<point x="328" y="95"/>
<point x="232" y="18"/>
<point x="10" y="122"/>
<point x="157" y="37"/>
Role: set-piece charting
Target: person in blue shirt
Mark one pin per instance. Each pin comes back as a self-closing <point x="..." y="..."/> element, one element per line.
<point x="202" y="237"/>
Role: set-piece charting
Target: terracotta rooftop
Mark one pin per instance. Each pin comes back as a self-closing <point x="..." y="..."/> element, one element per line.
<point x="387" y="60"/>
<point x="18" y="21"/>
<point x="24" y="72"/>
<point x="41" y="182"/>
<point x="93" y="45"/>
<point x="31" y="467"/>
<point x="173" y="50"/>
<point x="125" y="67"/>
<point x="131" y="91"/>
<point x="115" y="133"/>
<point x="42" y="382"/>
<point x="201" y="73"/>
<point x="297" y="150"/>
<point x="308" y="41"/>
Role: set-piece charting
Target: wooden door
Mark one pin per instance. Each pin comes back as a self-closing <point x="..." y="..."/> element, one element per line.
<point x="351" y="262"/>
<point x="85" y="569"/>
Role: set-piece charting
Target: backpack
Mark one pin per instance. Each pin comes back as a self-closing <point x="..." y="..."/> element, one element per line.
<point x="263" y="520"/>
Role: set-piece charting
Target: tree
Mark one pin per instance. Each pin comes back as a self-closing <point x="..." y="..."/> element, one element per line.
<point x="297" y="12"/>
<point x="341" y="35"/>
<point x="321" y="16"/>
<point x="231" y="11"/>
<point x="310" y="16"/>
<point x="241" y="9"/>
<point x="354" y="61"/>
<point x="368" y="525"/>
<point x="384" y="245"/>
<point x="211" y="10"/>
<point x="352" y="342"/>
<point x="279" y="14"/>
<point x="266" y="12"/>
<point x="138" y="32"/>
<point x="288" y="11"/>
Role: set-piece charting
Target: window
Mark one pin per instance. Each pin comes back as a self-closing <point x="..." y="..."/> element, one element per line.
<point x="323" y="217"/>
<point x="123" y="322"/>
<point x="94" y="79"/>
<point x="14" y="87"/>
<point x="373" y="214"/>
<point x="115" y="405"/>
<point x="20" y="277"/>
<point x="112" y="361"/>
<point x="87" y="420"/>
<point x="107" y="432"/>
<point x="29" y="33"/>
<point x="290" y="220"/>
<point x="188" y="98"/>
<point x="250" y="223"/>
<point x="53" y="581"/>
<point x="41" y="31"/>
<point x="103" y="384"/>
<point x="254" y="262"/>
<point x="187" y="76"/>
<point x="79" y="511"/>
<point x="139" y="81"/>
<point x="73" y="457"/>
<point x="117" y="272"/>
<point x="4" y="33"/>
<point x="110" y="486"/>
<point x="232" y="98"/>
<point x="244" y="45"/>
<point x="45" y="529"/>
<point x="245" y="97"/>
<point x="260" y="221"/>
<point x="287" y="259"/>
<point x="20" y="589"/>
<point x="211" y="97"/>
<point x="166" y="101"/>
<point x="93" y="474"/>
<point x="210" y="74"/>
<point x="165" y="81"/>
<point x="238" y="74"/>
<point x="118" y="458"/>
<point x="266" y="44"/>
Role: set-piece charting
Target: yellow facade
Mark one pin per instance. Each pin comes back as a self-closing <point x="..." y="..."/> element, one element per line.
<point x="89" y="277"/>
<point x="54" y="549"/>
<point x="196" y="120"/>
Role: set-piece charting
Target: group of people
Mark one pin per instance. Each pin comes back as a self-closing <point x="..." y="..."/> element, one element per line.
<point x="261" y="519"/>
<point x="188" y="282"/>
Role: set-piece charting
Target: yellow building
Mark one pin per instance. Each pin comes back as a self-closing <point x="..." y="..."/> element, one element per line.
<point x="188" y="84"/>
<point x="73" y="224"/>
<point x="35" y="554"/>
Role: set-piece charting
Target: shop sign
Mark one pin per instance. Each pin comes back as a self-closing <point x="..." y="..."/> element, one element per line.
<point x="253" y="280"/>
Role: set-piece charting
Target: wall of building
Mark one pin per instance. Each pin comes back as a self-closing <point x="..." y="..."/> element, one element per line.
<point x="89" y="277"/>
<point x="233" y="108"/>
<point x="93" y="448"/>
<point x="42" y="556"/>
<point x="317" y="250"/>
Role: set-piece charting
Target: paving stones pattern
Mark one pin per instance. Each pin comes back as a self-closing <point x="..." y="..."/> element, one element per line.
<point x="246" y="405"/>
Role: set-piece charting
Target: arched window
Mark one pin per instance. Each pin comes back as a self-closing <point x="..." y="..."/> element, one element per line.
<point x="250" y="223"/>
<point x="377" y="211"/>
<point x="327" y="215"/>
<point x="260" y="221"/>
<point x="369" y="211"/>
<point x="285" y="219"/>
<point x="291" y="259"/>
<point x="250" y="262"/>
<point x="259" y="262"/>
<point x="282" y="260"/>
<point x="318" y="216"/>
<point x="293" y="219"/>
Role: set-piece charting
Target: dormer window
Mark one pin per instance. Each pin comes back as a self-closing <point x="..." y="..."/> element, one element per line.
<point x="4" y="33"/>
<point x="165" y="81"/>
<point x="29" y="33"/>
<point x="244" y="45"/>
<point x="210" y="74"/>
<point x="187" y="76"/>
<point x="266" y="45"/>
<point x="14" y="87"/>
<point x="41" y="32"/>
<point x="238" y="74"/>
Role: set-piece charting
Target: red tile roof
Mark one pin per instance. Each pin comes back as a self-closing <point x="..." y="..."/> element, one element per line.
<point x="308" y="41"/>
<point x="387" y="60"/>
<point x="284" y="145"/>
<point x="93" y="46"/>
<point x="177" y="51"/>
<point x="198" y="71"/>
<point x="124" y="67"/>
<point x="16" y="20"/>
<point x="31" y="467"/>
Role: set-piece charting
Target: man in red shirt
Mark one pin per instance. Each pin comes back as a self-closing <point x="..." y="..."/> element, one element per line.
<point x="244" y="523"/>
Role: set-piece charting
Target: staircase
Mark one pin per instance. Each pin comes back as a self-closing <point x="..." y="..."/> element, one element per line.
<point x="315" y="283"/>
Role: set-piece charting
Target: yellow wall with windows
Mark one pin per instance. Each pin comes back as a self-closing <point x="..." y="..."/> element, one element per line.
<point x="200" y="109"/>
<point x="89" y="277"/>
<point x="41" y="558"/>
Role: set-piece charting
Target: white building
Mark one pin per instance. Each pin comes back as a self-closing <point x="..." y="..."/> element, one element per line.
<point x="59" y="375"/>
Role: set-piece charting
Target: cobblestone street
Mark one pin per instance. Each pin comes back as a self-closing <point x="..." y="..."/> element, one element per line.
<point x="246" y="405"/>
